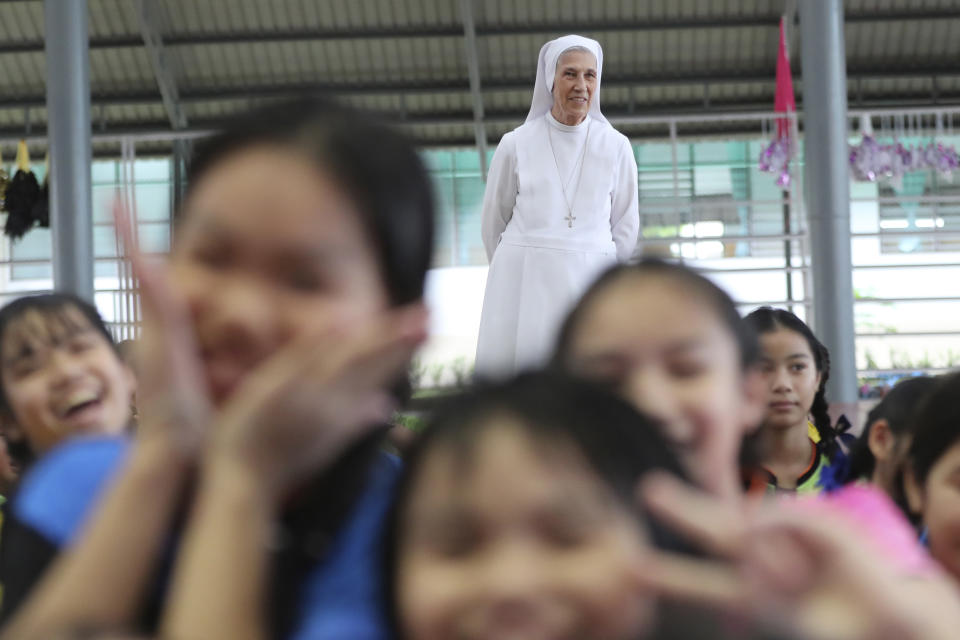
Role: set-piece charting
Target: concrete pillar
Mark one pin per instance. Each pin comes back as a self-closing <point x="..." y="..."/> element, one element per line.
<point x="68" y="118"/>
<point x="827" y="188"/>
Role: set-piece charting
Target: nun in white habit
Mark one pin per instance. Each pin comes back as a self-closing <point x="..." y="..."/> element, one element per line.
<point x="560" y="206"/>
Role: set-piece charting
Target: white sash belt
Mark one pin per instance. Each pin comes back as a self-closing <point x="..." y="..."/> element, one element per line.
<point x="582" y="245"/>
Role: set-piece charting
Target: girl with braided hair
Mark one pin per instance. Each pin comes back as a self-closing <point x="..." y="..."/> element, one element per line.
<point x="797" y="438"/>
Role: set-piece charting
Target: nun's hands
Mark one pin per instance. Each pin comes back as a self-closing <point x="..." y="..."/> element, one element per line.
<point x="172" y="398"/>
<point x="785" y="570"/>
<point x="318" y="395"/>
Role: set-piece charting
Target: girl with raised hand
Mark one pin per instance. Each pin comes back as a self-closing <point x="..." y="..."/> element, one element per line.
<point x="797" y="440"/>
<point x="276" y="342"/>
<point x="516" y="516"/>
<point x="800" y="568"/>
<point x="673" y="344"/>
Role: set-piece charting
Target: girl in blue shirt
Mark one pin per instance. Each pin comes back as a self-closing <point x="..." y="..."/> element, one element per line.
<point x="276" y="341"/>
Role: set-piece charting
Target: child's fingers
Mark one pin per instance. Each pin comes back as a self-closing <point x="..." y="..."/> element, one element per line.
<point x="707" y="521"/>
<point x="121" y="219"/>
<point x="167" y="341"/>
<point x="156" y="293"/>
<point x="692" y="580"/>
<point x="778" y="562"/>
<point x="385" y="350"/>
<point x="130" y="248"/>
<point x="334" y="371"/>
<point x="366" y="415"/>
<point x="362" y="358"/>
<point x="377" y="409"/>
<point x="288" y="368"/>
<point x="821" y="534"/>
<point x="717" y="586"/>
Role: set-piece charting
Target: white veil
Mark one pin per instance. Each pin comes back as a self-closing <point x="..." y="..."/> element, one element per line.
<point x="547" y="69"/>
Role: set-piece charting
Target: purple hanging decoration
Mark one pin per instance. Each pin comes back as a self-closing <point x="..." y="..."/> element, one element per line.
<point x="775" y="158"/>
<point x="947" y="160"/>
<point x="871" y="161"/>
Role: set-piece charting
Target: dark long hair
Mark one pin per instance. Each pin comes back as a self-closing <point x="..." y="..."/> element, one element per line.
<point x="379" y="169"/>
<point x="374" y="164"/>
<point x="687" y="278"/>
<point x="618" y="444"/>
<point x="937" y="426"/>
<point x="767" y="320"/>
<point x="898" y="408"/>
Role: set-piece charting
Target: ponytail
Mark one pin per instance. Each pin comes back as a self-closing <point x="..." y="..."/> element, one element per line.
<point x="830" y="435"/>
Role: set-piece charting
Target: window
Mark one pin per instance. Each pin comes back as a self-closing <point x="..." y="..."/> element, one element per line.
<point x="29" y="268"/>
<point x="459" y="188"/>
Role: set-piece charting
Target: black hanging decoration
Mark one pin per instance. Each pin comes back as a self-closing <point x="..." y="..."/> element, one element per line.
<point x="4" y="181"/>
<point x="21" y="197"/>
<point x="22" y="194"/>
<point x="41" y="208"/>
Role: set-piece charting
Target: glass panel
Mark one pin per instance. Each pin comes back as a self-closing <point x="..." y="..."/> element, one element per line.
<point x="154" y="237"/>
<point x="36" y="244"/>
<point x="153" y="202"/>
<point x="152" y="170"/>
<point x="467" y="161"/>
<point x="103" y="198"/>
<point x="725" y="152"/>
<point x="469" y="205"/>
<point x="103" y="269"/>
<point x="438" y="160"/>
<point x="104" y="172"/>
<point x="659" y="154"/>
<point x="443" y="241"/>
<point x="104" y="242"/>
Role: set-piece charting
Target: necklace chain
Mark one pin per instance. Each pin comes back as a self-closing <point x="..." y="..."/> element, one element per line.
<point x="570" y="217"/>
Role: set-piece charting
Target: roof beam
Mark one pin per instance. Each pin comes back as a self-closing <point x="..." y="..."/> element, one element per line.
<point x="150" y="31"/>
<point x="454" y="31"/>
<point x="616" y="113"/>
<point x="150" y="134"/>
<point x="147" y="96"/>
<point x="473" y="72"/>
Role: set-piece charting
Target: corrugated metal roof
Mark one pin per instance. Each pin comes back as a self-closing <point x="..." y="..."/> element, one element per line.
<point x="408" y="60"/>
<point x="107" y="18"/>
<point x="22" y="22"/>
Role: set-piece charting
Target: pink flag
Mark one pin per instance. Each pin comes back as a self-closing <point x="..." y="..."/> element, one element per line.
<point x="784" y="100"/>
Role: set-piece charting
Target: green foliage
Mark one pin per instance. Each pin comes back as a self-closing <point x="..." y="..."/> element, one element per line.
<point x="417" y="372"/>
<point x="661" y="231"/>
<point x="436" y="373"/>
<point x="412" y="422"/>
<point x="462" y="373"/>
<point x="899" y="360"/>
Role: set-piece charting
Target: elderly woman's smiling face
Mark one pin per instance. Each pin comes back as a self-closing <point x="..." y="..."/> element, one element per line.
<point x="573" y="86"/>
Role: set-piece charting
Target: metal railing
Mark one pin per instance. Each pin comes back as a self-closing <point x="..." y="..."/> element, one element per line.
<point x="679" y="212"/>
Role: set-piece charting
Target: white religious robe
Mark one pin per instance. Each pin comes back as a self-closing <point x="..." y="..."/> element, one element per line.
<point x="542" y="259"/>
